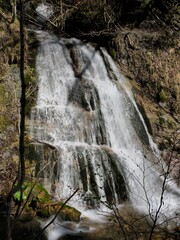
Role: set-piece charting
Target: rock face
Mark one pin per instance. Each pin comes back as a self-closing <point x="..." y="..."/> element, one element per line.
<point x="85" y="94"/>
<point x="9" y="101"/>
<point x="148" y="58"/>
<point x="104" y="158"/>
<point x="10" y="93"/>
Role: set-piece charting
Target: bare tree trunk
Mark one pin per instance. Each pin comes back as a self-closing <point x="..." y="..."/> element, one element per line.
<point x="21" y="170"/>
<point x="23" y="96"/>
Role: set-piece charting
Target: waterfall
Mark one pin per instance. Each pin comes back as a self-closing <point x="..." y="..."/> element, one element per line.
<point x="89" y="132"/>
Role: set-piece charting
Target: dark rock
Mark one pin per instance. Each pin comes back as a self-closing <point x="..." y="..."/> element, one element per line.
<point x="27" y="230"/>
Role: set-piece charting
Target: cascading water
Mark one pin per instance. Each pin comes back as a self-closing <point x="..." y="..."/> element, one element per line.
<point x="91" y="133"/>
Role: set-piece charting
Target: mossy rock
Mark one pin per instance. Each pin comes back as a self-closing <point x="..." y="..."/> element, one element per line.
<point x="43" y="213"/>
<point x="39" y="203"/>
<point x="32" y="192"/>
<point x="70" y="214"/>
<point x="67" y="213"/>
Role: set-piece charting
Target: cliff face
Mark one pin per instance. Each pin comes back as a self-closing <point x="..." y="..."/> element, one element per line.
<point x="10" y="91"/>
<point x="9" y="101"/>
<point x="149" y="58"/>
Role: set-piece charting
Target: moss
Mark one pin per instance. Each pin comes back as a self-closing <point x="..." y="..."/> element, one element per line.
<point x="70" y="214"/>
<point x="161" y="120"/>
<point x="32" y="192"/>
<point x="170" y="124"/>
<point x="112" y="52"/>
<point x="43" y="213"/>
<point x="49" y="208"/>
<point x="39" y="200"/>
<point x="161" y="96"/>
<point x="175" y="107"/>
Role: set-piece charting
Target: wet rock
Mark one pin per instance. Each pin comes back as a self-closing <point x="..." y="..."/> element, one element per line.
<point x="67" y="213"/>
<point x="85" y="94"/>
<point x="27" y="230"/>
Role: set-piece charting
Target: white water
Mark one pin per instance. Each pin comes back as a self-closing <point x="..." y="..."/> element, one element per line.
<point x="105" y="139"/>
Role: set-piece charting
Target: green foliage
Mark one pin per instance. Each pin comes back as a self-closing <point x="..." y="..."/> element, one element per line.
<point x="162" y="96"/>
<point x="32" y="191"/>
<point x="18" y="196"/>
<point x="38" y="199"/>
